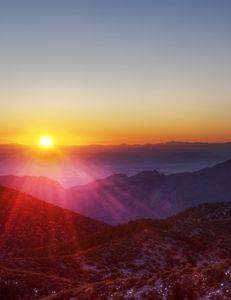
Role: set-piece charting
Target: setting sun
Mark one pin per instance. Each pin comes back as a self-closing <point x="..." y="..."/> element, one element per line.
<point x="46" y="142"/>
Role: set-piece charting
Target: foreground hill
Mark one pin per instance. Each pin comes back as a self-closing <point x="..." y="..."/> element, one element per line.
<point x="120" y="198"/>
<point x="187" y="256"/>
<point x="27" y="222"/>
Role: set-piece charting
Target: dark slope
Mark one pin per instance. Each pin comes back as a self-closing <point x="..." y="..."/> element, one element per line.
<point x="184" y="257"/>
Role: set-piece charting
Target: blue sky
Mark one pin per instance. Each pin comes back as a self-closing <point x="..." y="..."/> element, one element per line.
<point x="115" y="70"/>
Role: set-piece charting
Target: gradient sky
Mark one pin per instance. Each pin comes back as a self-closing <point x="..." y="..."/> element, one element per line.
<point x="121" y="71"/>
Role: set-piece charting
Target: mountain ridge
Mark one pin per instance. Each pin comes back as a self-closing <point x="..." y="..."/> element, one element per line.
<point x="120" y="198"/>
<point x="27" y="221"/>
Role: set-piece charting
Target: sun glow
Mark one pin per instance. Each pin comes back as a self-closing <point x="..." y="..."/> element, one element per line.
<point x="46" y="142"/>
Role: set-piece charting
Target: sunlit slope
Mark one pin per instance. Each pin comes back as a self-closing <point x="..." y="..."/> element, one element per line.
<point x="27" y="222"/>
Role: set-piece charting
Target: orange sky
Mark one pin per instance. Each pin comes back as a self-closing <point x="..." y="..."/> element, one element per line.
<point x="115" y="73"/>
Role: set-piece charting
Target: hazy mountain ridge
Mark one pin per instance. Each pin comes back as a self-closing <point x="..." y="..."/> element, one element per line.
<point x="83" y="164"/>
<point x="120" y="198"/>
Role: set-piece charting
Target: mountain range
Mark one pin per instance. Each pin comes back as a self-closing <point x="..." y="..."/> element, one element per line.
<point x="51" y="253"/>
<point x="75" y="165"/>
<point x="120" y="198"/>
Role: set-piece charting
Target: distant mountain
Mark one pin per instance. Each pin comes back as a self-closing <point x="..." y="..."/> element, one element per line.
<point x="120" y="198"/>
<point x="187" y="256"/>
<point x="75" y="165"/>
<point x="151" y="194"/>
<point x="110" y="200"/>
<point x="26" y="222"/>
<point x="182" y="191"/>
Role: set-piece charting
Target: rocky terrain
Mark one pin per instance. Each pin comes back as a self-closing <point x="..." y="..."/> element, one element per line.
<point x="187" y="256"/>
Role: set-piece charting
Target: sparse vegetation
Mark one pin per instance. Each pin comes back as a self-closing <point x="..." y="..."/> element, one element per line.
<point x="184" y="257"/>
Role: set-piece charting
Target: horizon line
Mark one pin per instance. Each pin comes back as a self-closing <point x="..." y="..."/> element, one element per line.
<point x="122" y="144"/>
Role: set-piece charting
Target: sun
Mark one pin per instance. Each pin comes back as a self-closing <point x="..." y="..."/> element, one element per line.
<point x="46" y="142"/>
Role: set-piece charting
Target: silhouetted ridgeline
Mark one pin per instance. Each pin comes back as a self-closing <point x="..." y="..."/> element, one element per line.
<point x="120" y="198"/>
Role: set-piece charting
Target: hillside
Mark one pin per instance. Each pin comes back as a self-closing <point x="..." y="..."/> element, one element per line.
<point x="140" y="260"/>
<point x="40" y="187"/>
<point x="27" y="222"/>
